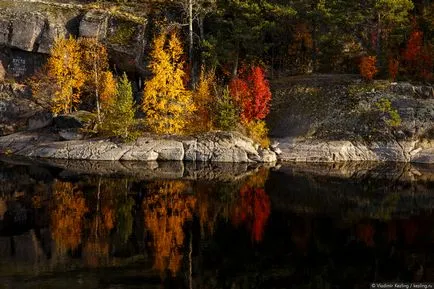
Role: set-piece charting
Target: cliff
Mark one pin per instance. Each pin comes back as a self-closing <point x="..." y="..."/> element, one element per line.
<point x="333" y="118"/>
<point x="28" y="29"/>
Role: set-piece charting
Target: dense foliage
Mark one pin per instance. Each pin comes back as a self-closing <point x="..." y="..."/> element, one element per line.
<point x="299" y="36"/>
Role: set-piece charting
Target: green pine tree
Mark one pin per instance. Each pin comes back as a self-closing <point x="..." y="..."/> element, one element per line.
<point x="120" y="121"/>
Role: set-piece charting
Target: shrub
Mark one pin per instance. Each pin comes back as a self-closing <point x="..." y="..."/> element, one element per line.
<point x="391" y="115"/>
<point x="368" y="67"/>
<point x="257" y="130"/>
<point x="226" y="112"/>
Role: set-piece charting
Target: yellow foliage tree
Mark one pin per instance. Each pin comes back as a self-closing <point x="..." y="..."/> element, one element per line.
<point x="64" y="68"/>
<point x="99" y="81"/>
<point x="108" y="89"/>
<point x="166" y="101"/>
<point x="203" y="97"/>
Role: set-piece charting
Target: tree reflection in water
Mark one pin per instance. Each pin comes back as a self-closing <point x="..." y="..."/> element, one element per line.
<point x="67" y="216"/>
<point x="167" y="207"/>
<point x="90" y="223"/>
<point x="253" y="205"/>
<point x="262" y="229"/>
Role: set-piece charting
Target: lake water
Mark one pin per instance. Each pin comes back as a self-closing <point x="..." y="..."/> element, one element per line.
<point x="174" y="225"/>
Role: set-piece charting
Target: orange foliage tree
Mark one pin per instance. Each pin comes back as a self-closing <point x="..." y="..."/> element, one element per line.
<point x="75" y="68"/>
<point x="166" y="209"/>
<point x="368" y="67"/>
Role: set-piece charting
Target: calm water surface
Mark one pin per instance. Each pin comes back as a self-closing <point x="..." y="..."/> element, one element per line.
<point x="93" y="225"/>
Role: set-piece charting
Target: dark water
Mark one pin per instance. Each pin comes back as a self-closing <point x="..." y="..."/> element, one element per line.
<point x="174" y="225"/>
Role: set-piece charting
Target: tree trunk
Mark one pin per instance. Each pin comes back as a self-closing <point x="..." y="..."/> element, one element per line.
<point x="202" y="37"/>
<point x="98" y="108"/>
<point x="190" y="38"/>
<point x="237" y="55"/>
<point x="314" y="42"/>
<point x="201" y="28"/>
<point x="378" y="42"/>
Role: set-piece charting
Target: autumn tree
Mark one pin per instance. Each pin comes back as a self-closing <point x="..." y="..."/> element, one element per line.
<point x="418" y="57"/>
<point x="368" y="67"/>
<point x="66" y="75"/>
<point x="251" y="90"/>
<point x="166" y="101"/>
<point x="203" y="97"/>
<point x="99" y="80"/>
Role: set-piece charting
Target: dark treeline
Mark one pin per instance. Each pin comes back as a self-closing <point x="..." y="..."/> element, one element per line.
<point x="302" y="36"/>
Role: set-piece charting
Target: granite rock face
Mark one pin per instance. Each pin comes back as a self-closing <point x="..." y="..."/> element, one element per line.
<point x="18" y="111"/>
<point x="228" y="147"/>
<point x="334" y="118"/>
<point x="33" y="26"/>
<point x="304" y="150"/>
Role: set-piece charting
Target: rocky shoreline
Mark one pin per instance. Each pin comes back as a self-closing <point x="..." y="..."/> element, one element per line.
<point x="226" y="147"/>
<point x="305" y="150"/>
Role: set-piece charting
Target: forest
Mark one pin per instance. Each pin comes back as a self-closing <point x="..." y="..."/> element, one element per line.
<point x="210" y="61"/>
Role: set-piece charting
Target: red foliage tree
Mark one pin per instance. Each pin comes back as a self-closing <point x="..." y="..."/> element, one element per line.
<point x="252" y="92"/>
<point x="418" y="57"/>
<point x="414" y="46"/>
